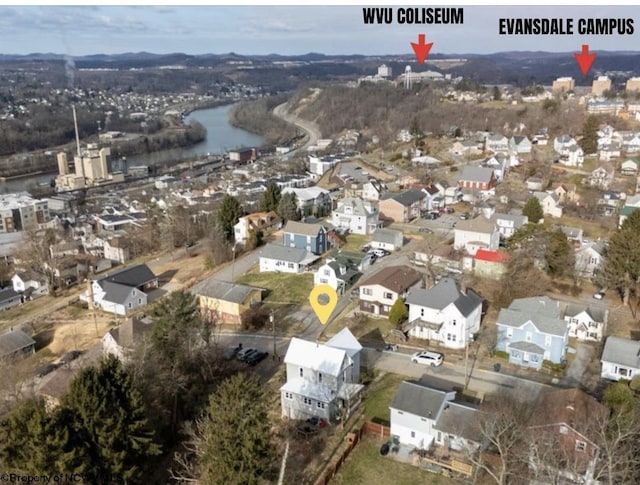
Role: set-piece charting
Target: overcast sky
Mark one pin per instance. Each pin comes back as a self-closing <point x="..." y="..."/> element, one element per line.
<point x="80" y="30"/>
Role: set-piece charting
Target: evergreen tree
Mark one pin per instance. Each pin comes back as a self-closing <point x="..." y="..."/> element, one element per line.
<point x="533" y="210"/>
<point x="398" y="312"/>
<point x="559" y="255"/>
<point x="589" y="141"/>
<point x="227" y="216"/>
<point x="288" y="208"/>
<point x="234" y="437"/>
<point x="110" y="423"/>
<point x="270" y="198"/>
<point x="497" y="95"/>
<point x="621" y="267"/>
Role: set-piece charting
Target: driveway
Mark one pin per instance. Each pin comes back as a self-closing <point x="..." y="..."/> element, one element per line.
<point x="575" y="372"/>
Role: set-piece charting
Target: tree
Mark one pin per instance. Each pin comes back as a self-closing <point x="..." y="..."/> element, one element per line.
<point x="34" y="255"/>
<point x="288" y="207"/>
<point x="227" y="216"/>
<point x="497" y="95"/>
<point x="414" y="128"/>
<point x="621" y="266"/>
<point x="559" y="255"/>
<point x="270" y="198"/>
<point x="589" y="141"/>
<point x="238" y="413"/>
<point x="398" y="312"/>
<point x="533" y="210"/>
<point x="109" y="421"/>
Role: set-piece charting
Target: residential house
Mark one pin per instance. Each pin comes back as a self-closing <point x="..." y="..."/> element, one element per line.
<point x="387" y="239"/>
<point x="520" y="144"/>
<point x="588" y="259"/>
<point x="311" y="201"/>
<point x="444" y="314"/>
<point x="606" y="153"/>
<point x="572" y="157"/>
<point x="629" y="167"/>
<point x="508" y="224"/>
<point x="356" y="216"/>
<point x="565" y="192"/>
<point x="434" y="198"/>
<point x="117" y="249"/>
<point x="424" y="416"/>
<point x="283" y="259"/>
<point x="322" y="379"/>
<point x="531" y="331"/>
<point x="122" y="340"/>
<point x="312" y="237"/>
<point x="563" y="444"/>
<point x="482" y="179"/>
<point x="224" y="301"/>
<point x="620" y="359"/>
<point x="490" y="264"/>
<point x="562" y="143"/>
<point x="574" y="234"/>
<point x="550" y="203"/>
<point x="403" y="207"/>
<point x="625" y="212"/>
<point x="473" y="234"/>
<point x="339" y="275"/>
<point x="380" y="291"/>
<point x="122" y="292"/>
<point x="30" y="284"/>
<point x="601" y="177"/>
<point x="15" y="344"/>
<point x="264" y="222"/>
<point x="70" y="248"/>
<point x="465" y="148"/>
<point x="610" y="201"/>
<point x="373" y="190"/>
<point x="499" y="163"/>
<point x="586" y="323"/>
<point x="534" y="183"/>
<point x="9" y="298"/>
<point x="496" y="143"/>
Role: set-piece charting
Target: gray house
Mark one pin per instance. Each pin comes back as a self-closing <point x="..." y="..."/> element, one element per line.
<point x="322" y="380"/>
<point x="387" y="239"/>
<point x="531" y="331"/>
<point x="15" y="343"/>
<point x="9" y="298"/>
<point x="312" y="237"/>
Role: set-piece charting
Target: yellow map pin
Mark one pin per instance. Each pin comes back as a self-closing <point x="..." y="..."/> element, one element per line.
<point x="323" y="300"/>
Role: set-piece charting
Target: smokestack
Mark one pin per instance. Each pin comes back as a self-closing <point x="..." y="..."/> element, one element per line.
<point x="63" y="165"/>
<point x="75" y="125"/>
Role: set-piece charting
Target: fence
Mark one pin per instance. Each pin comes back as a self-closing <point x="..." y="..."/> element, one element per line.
<point x="352" y="440"/>
<point x="376" y="429"/>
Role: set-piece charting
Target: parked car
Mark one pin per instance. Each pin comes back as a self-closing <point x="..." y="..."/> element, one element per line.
<point x="599" y="295"/>
<point x="70" y="356"/>
<point x="256" y="358"/>
<point x="433" y="215"/>
<point x="242" y="353"/>
<point x="366" y="248"/>
<point x="380" y="253"/>
<point x="249" y="355"/>
<point x="233" y="352"/>
<point x="427" y="357"/>
<point x="464" y="216"/>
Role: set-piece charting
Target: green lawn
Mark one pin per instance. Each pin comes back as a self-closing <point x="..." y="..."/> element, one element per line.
<point x="283" y="287"/>
<point x="379" y="397"/>
<point x="355" y="242"/>
<point x="365" y="466"/>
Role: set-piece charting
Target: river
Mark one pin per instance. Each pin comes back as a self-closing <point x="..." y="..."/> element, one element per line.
<point x="221" y="137"/>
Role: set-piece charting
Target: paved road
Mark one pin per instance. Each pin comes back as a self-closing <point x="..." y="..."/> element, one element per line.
<point x="234" y="269"/>
<point x="313" y="133"/>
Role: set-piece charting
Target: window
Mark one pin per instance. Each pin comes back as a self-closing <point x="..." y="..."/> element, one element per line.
<point x="509" y="332"/>
<point x="413" y="434"/>
<point x="290" y="265"/>
<point x="422" y="312"/>
<point x="301" y="372"/>
<point x="387" y="295"/>
<point x="129" y="305"/>
<point x="581" y="445"/>
<point x="453" y="322"/>
<point x="319" y="376"/>
<point x="139" y="301"/>
<point x="308" y="401"/>
<point x="547" y="340"/>
<point x="623" y="371"/>
<point x="367" y="291"/>
<point x="320" y="405"/>
<point x="288" y="395"/>
<point x="529" y="336"/>
<point x="326" y="272"/>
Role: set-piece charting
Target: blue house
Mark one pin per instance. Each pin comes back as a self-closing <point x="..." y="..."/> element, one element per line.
<point x="532" y="330"/>
<point x="312" y="237"/>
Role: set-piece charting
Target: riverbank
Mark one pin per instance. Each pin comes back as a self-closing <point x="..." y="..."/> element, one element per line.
<point x="257" y="117"/>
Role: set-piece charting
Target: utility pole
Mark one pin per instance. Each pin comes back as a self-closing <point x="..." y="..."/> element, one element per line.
<point x="273" y="331"/>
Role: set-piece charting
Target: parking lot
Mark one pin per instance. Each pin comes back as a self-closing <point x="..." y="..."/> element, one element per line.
<point x="442" y="224"/>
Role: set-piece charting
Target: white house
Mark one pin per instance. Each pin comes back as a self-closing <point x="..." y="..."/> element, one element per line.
<point x="373" y="190"/>
<point x="387" y="239"/>
<point x="444" y="314"/>
<point x="549" y="203"/>
<point x="508" y="224"/>
<point x="477" y="233"/>
<point x="29" y="282"/>
<point x="356" y="216"/>
<point x="520" y="144"/>
<point x="601" y="177"/>
<point x="588" y="259"/>
<point x="116" y="249"/>
<point x="629" y="167"/>
<point x="380" y="291"/>
<point x="497" y="143"/>
<point x="573" y="156"/>
<point x="284" y="259"/>
<point x="562" y="143"/>
<point x="586" y="323"/>
<point x="322" y="380"/>
<point x="338" y="275"/>
<point x="423" y="416"/>
<point x="620" y="359"/>
<point x="120" y="341"/>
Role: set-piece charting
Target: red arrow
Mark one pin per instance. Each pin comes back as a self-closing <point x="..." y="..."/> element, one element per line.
<point x="585" y="59"/>
<point x="421" y="49"/>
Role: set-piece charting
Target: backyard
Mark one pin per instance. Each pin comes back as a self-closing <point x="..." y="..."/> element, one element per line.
<point x="283" y="287"/>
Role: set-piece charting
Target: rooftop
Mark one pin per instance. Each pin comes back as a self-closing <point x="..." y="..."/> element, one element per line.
<point x="395" y="278"/>
<point x="224" y="290"/>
